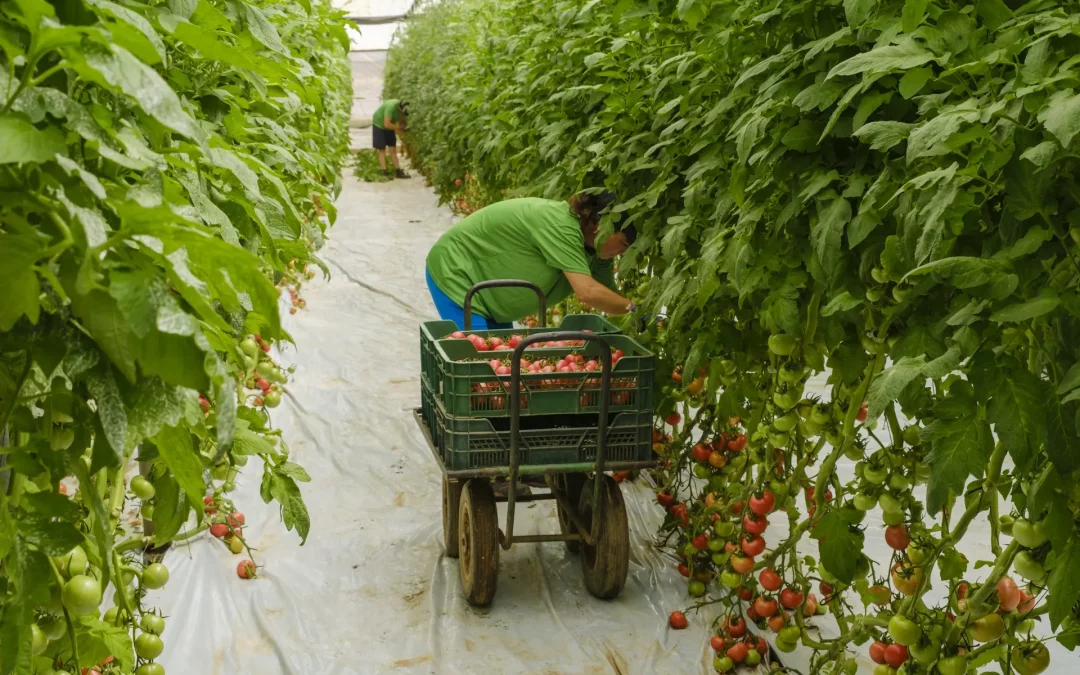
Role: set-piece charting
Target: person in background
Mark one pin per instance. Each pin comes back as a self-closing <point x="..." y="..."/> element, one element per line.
<point x="551" y="243"/>
<point x="390" y="117"/>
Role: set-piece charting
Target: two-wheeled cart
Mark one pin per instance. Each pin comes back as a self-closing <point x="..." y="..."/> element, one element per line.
<point x="569" y="427"/>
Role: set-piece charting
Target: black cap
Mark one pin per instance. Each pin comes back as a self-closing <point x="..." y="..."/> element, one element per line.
<point x="605" y="200"/>
<point x="404" y="107"/>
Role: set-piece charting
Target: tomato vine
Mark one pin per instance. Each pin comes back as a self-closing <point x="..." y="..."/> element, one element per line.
<point x="165" y="169"/>
<point x="860" y="224"/>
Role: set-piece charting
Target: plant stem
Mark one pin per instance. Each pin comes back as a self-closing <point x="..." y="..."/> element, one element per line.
<point x="67" y="617"/>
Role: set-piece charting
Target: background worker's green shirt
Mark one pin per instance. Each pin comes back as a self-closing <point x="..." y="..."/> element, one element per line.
<point x="531" y="239"/>
<point x="388" y="108"/>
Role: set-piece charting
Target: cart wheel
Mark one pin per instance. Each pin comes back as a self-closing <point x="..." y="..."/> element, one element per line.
<point x="451" y="498"/>
<point x="605" y="565"/>
<point x="478" y="542"/>
<point x="571" y="484"/>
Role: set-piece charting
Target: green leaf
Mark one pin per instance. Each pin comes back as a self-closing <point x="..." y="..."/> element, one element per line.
<point x="119" y="70"/>
<point x="1071" y="380"/>
<point x="1064" y="583"/>
<point x="52" y="538"/>
<point x="1018" y="414"/>
<point x="905" y="55"/>
<point x="841" y="303"/>
<point x="839" y="535"/>
<point x="110" y="408"/>
<point x="932" y="222"/>
<point x="133" y="32"/>
<point x="912" y="15"/>
<point x="1041" y="155"/>
<point x="294" y="471"/>
<point x="827" y="231"/>
<point x="262" y="29"/>
<point x="857" y="11"/>
<point x="18" y="279"/>
<point x="802" y="137"/>
<point x="23" y="142"/>
<point x="928" y="140"/>
<point x="965" y="272"/>
<point x="175" y="447"/>
<point x="962" y="448"/>
<point x="293" y="511"/>
<point x="914" y="80"/>
<point x="1047" y="301"/>
<point x="106" y="323"/>
<point x="952" y="564"/>
<point x="993" y="12"/>
<point x="1061" y="116"/>
<point x="170" y="510"/>
<point x="883" y="135"/>
<point x="887" y="386"/>
<point x="1062" y="445"/>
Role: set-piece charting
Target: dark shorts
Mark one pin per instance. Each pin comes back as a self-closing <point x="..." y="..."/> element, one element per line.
<point x="382" y="138"/>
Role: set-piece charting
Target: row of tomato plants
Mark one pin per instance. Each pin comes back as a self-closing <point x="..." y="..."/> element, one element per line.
<point x="167" y="170"/>
<point x="876" y="194"/>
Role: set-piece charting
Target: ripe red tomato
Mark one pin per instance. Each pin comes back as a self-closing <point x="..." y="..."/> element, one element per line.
<point x="665" y="499"/>
<point x="679" y="511"/>
<point x="718" y="643"/>
<point x="897" y="537"/>
<point x="701" y="542"/>
<point x="673" y="419"/>
<point x="906" y="578"/>
<point x="826" y="589"/>
<point x="895" y="655"/>
<point x="684" y="570"/>
<point x="1027" y="602"/>
<point x="1008" y="594"/>
<point x="755" y="524"/>
<point x="737" y="652"/>
<point x="745" y="594"/>
<point x="877" y="652"/>
<point x="769" y="579"/>
<point x="765" y="606"/>
<point x="677" y="620"/>
<point x="219" y="530"/>
<point x="742" y="565"/>
<point x="790" y="598"/>
<point x="764" y="504"/>
<point x="236" y="520"/>
<point x="777" y="622"/>
<point x="735" y="626"/>
<point x="701" y="452"/>
<point x="737" y="444"/>
<point x="861" y="416"/>
<point x="810" y="607"/>
<point x="246" y="569"/>
<point x="753" y="545"/>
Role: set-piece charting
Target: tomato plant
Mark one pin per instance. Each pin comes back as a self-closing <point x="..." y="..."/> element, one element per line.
<point x="879" y="193"/>
<point x="166" y="172"/>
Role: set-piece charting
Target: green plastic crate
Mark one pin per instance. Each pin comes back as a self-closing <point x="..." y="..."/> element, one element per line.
<point x="471" y="443"/>
<point x="430" y="331"/>
<point x="472" y="389"/>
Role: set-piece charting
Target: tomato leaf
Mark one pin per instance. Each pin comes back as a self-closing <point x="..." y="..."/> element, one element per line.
<point x="1061" y="116"/>
<point x="1064" y="583"/>
<point x="1018" y="414"/>
<point x="838" y="535"/>
<point x="175" y="447"/>
<point x="293" y="512"/>
<point x="959" y="449"/>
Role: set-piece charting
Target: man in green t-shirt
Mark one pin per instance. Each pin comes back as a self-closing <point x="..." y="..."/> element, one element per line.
<point x="551" y="243"/>
<point x="391" y="116"/>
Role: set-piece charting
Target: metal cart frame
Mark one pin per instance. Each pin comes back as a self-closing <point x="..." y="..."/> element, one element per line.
<point x="591" y="516"/>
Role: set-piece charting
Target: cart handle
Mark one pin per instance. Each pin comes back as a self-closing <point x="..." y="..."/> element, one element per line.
<point x="515" y="423"/>
<point x="505" y="283"/>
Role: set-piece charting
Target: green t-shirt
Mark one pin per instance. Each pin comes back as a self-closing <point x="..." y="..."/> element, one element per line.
<point x="531" y="239"/>
<point x="388" y="108"/>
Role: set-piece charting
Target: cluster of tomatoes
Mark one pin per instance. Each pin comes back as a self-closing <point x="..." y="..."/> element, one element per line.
<point x="261" y="374"/>
<point x="734" y="646"/>
<point x="496" y="343"/>
<point x="229" y="528"/>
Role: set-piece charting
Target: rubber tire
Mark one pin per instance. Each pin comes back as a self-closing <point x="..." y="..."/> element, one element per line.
<point x="606" y="564"/>
<point x="478" y="542"/>
<point x="451" y="502"/>
<point x="571" y="484"/>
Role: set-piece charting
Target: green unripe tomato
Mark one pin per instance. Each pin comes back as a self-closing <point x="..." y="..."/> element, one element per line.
<point x="149" y="646"/>
<point x="81" y="595"/>
<point x="782" y="344"/>
<point x="702" y="471"/>
<point x="1028" y="534"/>
<point x="1005" y="524"/>
<point x="753" y="657"/>
<point x="864" y="501"/>
<point x="874" y="294"/>
<point x="784" y="646"/>
<point x="249" y="363"/>
<point x="889" y="502"/>
<point x="891" y="518"/>
<point x="875" y="475"/>
<point x="272" y="399"/>
<point x="62" y="438"/>
<point x="724" y="528"/>
<point x="152" y="623"/>
<point x="899" y="482"/>
<point x="1028" y="567"/>
<point x="147" y="510"/>
<point x="142" y="488"/>
<point x="265" y="368"/>
<point x="952" y="665"/>
<point x="730" y="578"/>
<point x="911" y="435"/>
<point x="723" y="664"/>
<point x="151" y="669"/>
<point x="72" y="563"/>
<point x="249" y="347"/>
<point x="904" y="631"/>
<point x="39" y="641"/>
<point x="879" y="274"/>
<point x="720" y="559"/>
<point x="778" y="440"/>
<point x="155" y="576"/>
<point x="696" y="589"/>
<point x="54" y="627"/>
<point x="786" y="423"/>
<point x="110" y="615"/>
<point x="790" y="634"/>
